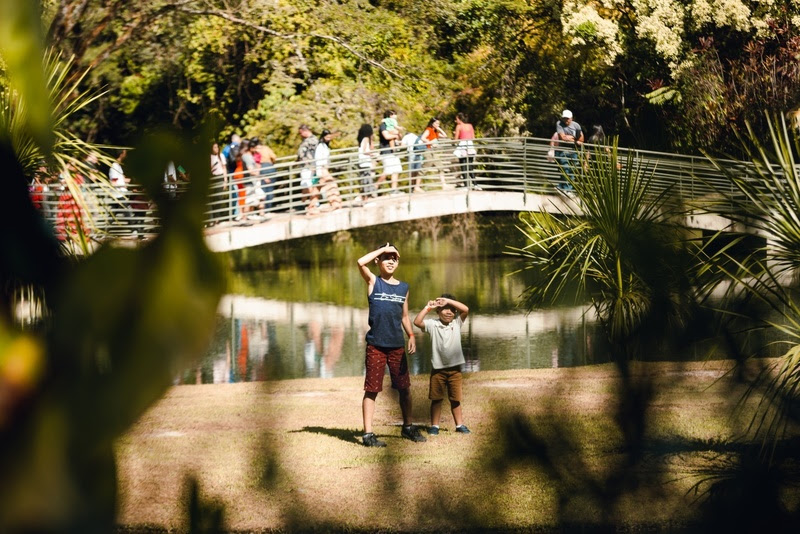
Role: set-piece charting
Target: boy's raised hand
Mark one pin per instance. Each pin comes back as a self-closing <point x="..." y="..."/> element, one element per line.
<point x="438" y="303"/>
<point x="388" y="248"/>
<point x="432" y="304"/>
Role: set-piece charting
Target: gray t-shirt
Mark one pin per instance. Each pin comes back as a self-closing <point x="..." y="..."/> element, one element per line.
<point x="446" y="342"/>
<point x="574" y="129"/>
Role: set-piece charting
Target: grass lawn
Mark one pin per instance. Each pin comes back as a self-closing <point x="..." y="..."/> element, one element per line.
<point x="286" y="455"/>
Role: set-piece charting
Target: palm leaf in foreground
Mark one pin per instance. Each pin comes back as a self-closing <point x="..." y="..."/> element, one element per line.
<point x="617" y="243"/>
<point x="766" y="200"/>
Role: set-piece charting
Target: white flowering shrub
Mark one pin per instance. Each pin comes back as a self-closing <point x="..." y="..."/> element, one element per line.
<point x="586" y="26"/>
<point x="665" y="23"/>
<point x="733" y="14"/>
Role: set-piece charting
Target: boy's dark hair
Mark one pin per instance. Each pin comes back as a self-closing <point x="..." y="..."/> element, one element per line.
<point x="387" y="244"/>
<point x="451" y="297"/>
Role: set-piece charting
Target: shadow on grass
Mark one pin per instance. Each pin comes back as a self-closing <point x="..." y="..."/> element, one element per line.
<point x="345" y="434"/>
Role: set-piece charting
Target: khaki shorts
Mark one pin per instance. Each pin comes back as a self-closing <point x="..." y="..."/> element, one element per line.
<point x="445" y="379"/>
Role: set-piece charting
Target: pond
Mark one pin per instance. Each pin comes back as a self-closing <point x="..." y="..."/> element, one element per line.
<point x="299" y="309"/>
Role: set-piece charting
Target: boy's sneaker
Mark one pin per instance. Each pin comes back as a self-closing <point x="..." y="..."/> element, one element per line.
<point x="433" y="431"/>
<point x="412" y="433"/>
<point x="463" y="429"/>
<point x="369" y="440"/>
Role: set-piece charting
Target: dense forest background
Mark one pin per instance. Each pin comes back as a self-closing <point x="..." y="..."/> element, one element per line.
<point x="679" y="75"/>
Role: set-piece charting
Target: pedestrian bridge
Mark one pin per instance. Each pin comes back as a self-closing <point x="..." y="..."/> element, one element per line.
<point x="507" y="174"/>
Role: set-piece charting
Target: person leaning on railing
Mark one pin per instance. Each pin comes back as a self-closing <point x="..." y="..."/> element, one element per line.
<point x="219" y="169"/>
<point x="366" y="161"/>
<point x="265" y="158"/>
<point x="465" y="150"/>
<point x="433" y="159"/>
<point x="322" y="159"/>
<point x="570" y="134"/>
<point x="119" y="182"/>
<point x="305" y="157"/>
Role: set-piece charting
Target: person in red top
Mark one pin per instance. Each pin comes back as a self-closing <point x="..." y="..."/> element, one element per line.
<point x="431" y="137"/>
<point x="465" y="151"/>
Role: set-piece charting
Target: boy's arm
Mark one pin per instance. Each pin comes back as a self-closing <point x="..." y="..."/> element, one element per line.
<point x="366" y="259"/>
<point x="418" y="320"/>
<point x="412" y="343"/>
<point x="462" y="308"/>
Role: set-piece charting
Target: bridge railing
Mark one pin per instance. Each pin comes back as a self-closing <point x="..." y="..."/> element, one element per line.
<point x="499" y="164"/>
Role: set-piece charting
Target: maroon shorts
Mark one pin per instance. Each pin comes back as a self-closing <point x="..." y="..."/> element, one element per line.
<point x="376" y="360"/>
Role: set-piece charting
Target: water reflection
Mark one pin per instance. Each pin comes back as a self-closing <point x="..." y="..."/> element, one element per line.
<point x="263" y="339"/>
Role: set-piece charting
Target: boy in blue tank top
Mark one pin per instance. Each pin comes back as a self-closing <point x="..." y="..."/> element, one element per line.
<point x="388" y="318"/>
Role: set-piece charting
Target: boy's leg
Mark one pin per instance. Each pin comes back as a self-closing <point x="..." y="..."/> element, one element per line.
<point x="455" y="407"/>
<point x="436" y="412"/>
<point x="454" y="381"/>
<point x="405" y="405"/>
<point x="436" y="395"/>
<point x="368" y="410"/>
<point x="375" y="363"/>
<point x="401" y="381"/>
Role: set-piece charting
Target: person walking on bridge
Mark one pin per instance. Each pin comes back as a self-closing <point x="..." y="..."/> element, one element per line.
<point x="465" y="151"/>
<point x="328" y="187"/>
<point x="366" y="162"/>
<point x="387" y="138"/>
<point x="570" y="138"/>
<point x="305" y="156"/>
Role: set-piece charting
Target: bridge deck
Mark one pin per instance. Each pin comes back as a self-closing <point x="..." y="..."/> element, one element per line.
<point x="388" y="209"/>
<point x="383" y="210"/>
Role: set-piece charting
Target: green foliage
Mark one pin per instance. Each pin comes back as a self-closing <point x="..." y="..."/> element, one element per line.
<point x="68" y="100"/>
<point x="20" y="40"/>
<point x="120" y="324"/>
<point x="766" y="199"/>
<point x="618" y="243"/>
<point x="262" y="67"/>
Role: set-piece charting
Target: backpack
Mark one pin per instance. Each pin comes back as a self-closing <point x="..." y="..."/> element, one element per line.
<point x="231" y="163"/>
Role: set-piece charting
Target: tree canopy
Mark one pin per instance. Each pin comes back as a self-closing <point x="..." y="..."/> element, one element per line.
<point x="660" y="73"/>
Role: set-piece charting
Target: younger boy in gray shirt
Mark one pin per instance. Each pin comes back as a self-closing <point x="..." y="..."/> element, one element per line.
<point x="447" y="357"/>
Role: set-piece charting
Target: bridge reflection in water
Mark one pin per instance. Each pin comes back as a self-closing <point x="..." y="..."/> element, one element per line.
<point x="262" y="339"/>
<point x="507" y="174"/>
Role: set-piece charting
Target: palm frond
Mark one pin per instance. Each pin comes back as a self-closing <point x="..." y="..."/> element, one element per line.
<point x="69" y="153"/>
<point x="766" y="199"/>
<point x="601" y="243"/>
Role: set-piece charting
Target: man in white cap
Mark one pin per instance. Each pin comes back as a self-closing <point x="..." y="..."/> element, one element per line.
<point x="570" y="138"/>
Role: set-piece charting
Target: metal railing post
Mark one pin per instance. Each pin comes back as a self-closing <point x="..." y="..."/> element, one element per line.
<point x="525" y="171"/>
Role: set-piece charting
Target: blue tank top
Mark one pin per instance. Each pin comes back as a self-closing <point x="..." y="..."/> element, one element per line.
<point x="386" y="314"/>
